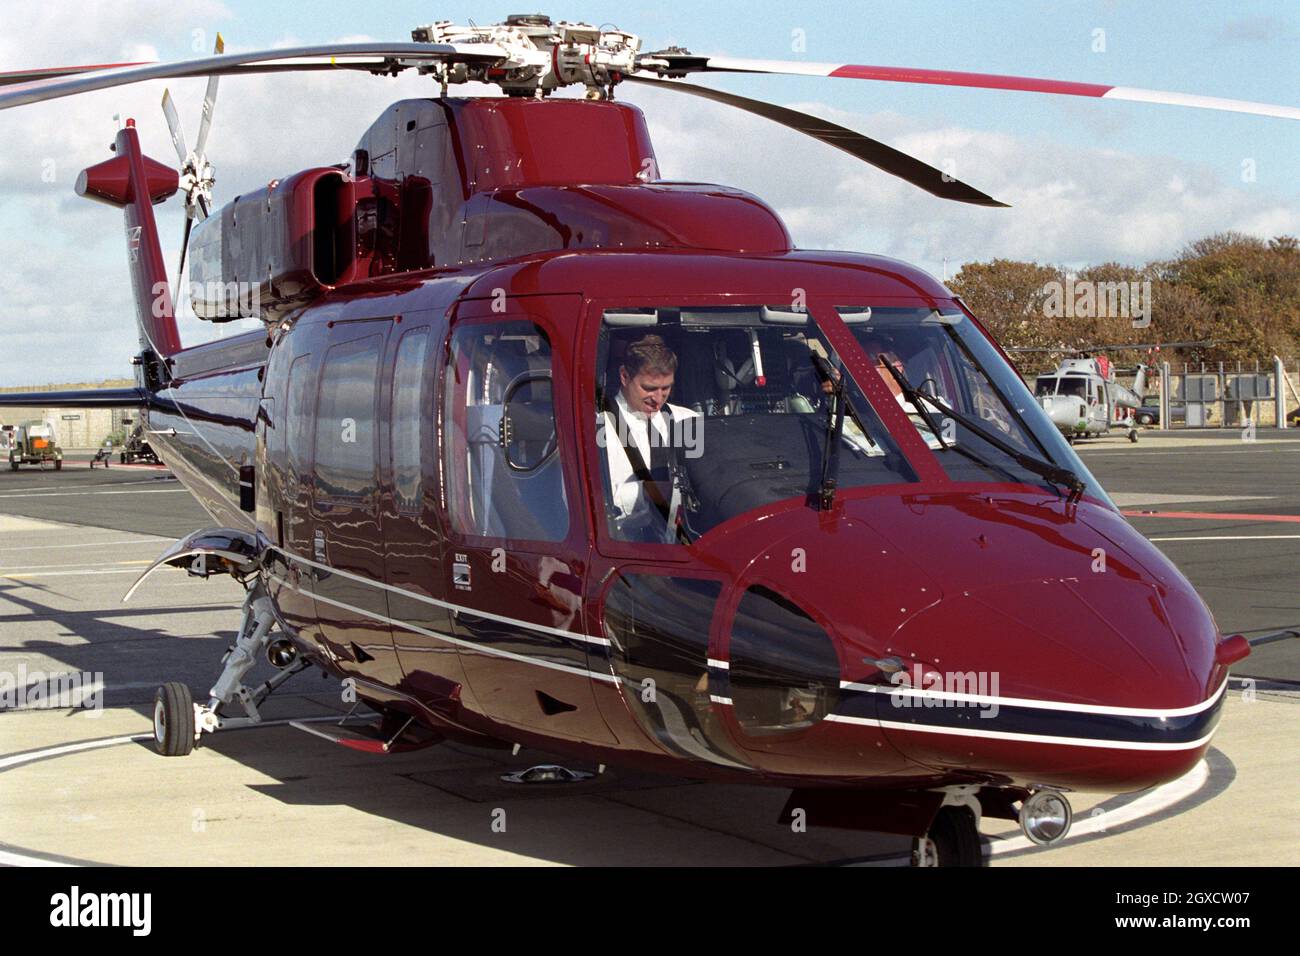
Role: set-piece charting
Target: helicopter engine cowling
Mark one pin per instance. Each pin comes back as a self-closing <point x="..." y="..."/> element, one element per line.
<point x="273" y="250"/>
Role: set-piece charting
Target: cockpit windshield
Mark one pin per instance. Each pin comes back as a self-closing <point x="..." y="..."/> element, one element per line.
<point x="1076" y="386"/>
<point x="707" y="413"/>
<point x="950" y="380"/>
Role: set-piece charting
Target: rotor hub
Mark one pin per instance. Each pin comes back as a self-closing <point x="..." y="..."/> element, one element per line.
<point x="541" y="56"/>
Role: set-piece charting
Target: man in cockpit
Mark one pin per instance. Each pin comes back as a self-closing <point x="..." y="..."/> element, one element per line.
<point x="884" y="362"/>
<point x="643" y="437"/>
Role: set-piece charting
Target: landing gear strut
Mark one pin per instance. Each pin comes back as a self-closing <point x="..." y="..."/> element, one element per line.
<point x="179" y="723"/>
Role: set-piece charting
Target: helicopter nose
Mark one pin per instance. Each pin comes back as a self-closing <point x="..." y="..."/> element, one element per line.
<point x="1103" y="681"/>
<point x="995" y="636"/>
<point x="1064" y="411"/>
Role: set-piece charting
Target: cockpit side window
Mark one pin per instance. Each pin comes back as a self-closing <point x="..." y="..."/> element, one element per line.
<point x="502" y="455"/>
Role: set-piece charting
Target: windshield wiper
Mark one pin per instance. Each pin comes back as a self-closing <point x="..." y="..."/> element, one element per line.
<point x="834" y="431"/>
<point x="1063" y="477"/>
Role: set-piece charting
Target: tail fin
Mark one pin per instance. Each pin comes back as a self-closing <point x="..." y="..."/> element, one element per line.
<point x="134" y="183"/>
<point x="1140" y="380"/>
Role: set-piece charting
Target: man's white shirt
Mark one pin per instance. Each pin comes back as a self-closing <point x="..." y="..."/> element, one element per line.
<point x="628" y="497"/>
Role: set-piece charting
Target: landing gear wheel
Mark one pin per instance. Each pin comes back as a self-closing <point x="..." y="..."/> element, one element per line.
<point x="173" y="720"/>
<point x="1133" y="435"/>
<point x="953" y="840"/>
<point x="58" y="465"/>
<point x="13" y="466"/>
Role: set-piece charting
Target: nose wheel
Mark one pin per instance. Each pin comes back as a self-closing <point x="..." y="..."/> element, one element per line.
<point x="952" y="840"/>
<point x="173" y="720"/>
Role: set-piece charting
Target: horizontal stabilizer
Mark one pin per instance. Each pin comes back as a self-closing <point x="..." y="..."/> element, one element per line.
<point x="77" y="398"/>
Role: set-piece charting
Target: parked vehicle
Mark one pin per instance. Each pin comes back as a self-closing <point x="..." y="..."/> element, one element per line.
<point x="137" y="447"/>
<point x="34" y="444"/>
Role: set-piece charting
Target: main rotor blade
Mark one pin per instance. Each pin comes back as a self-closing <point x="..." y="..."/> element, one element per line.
<point x="13" y="77"/>
<point x="209" y="104"/>
<point x="174" y="126"/>
<point x="678" y="64"/>
<point x="870" y="151"/>
<point x="246" y="63"/>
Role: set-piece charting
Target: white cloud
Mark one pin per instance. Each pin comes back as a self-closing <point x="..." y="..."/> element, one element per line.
<point x="67" y="301"/>
<point x="1068" y="205"/>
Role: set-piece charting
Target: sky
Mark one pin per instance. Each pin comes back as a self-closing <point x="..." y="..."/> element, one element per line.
<point x="1088" y="180"/>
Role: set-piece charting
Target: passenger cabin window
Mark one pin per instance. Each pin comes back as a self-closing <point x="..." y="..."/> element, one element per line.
<point x="408" y="406"/>
<point x="502" y="458"/>
<point x="345" y="420"/>
<point x="704" y="414"/>
<point x="299" y="419"/>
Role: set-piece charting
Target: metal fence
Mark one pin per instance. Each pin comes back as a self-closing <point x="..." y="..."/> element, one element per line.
<point x="1229" y="395"/>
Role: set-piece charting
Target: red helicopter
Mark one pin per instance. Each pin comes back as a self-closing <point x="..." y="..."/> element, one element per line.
<point x="537" y="449"/>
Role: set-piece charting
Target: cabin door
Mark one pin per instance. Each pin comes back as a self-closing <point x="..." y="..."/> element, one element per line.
<point x="516" y="546"/>
<point x="346" y="548"/>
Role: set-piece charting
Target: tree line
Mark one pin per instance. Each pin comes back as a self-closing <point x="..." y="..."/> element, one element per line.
<point x="1235" y="295"/>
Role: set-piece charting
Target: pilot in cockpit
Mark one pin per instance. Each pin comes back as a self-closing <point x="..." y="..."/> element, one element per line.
<point x="643" y="437"/>
<point x="927" y="415"/>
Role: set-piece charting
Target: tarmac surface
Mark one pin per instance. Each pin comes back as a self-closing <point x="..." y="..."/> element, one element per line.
<point x="86" y="786"/>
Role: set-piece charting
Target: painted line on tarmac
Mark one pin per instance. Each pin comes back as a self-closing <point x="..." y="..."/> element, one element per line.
<point x="11" y="855"/>
<point x="1191" y="449"/>
<point x="1212" y="516"/>
<point x="69" y="574"/>
<point x="68" y="567"/>
<point x="87" y="494"/>
<point x="1234" y="537"/>
<point x="83" y="544"/>
<point x="1148" y="804"/>
<point x="1139" y="499"/>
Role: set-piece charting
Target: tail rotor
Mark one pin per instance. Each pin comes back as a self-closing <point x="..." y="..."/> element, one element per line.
<point x="196" y="173"/>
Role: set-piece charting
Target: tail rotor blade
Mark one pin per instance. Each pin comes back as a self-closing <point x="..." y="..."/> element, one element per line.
<point x="174" y="125"/>
<point x="209" y="102"/>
